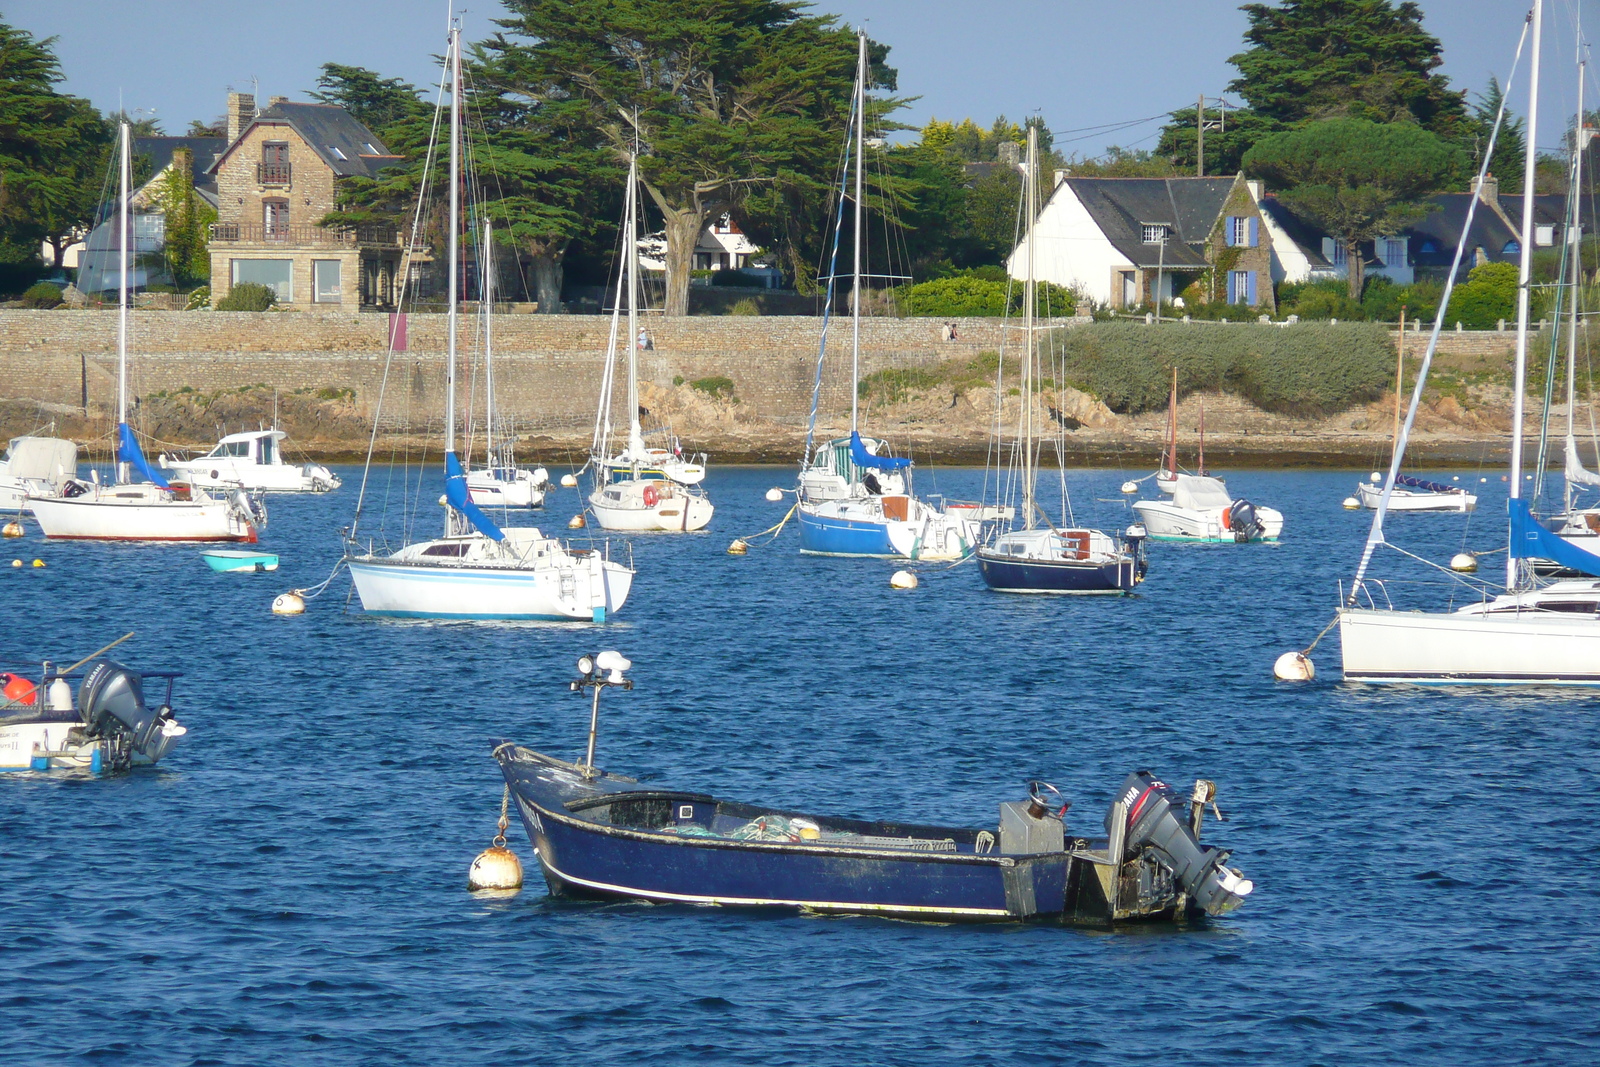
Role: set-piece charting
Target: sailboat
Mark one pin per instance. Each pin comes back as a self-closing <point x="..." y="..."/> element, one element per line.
<point x="856" y="497"/>
<point x="1201" y="508"/>
<point x="499" y="482"/>
<point x="1411" y="494"/>
<point x="1030" y="557"/>
<point x="154" y="509"/>
<point x="1529" y="634"/>
<point x="477" y="570"/>
<point x="638" y="489"/>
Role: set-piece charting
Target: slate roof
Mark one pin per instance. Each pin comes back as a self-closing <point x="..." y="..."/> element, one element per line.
<point x="344" y="144"/>
<point x="1306" y="236"/>
<point x="205" y="150"/>
<point x="1121" y="207"/>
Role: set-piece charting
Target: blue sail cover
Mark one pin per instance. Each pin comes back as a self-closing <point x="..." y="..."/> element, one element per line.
<point x="1418" y="483"/>
<point x="128" y="451"/>
<point x="862" y="458"/>
<point x="455" y="492"/>
<point x="1531" y="540"/>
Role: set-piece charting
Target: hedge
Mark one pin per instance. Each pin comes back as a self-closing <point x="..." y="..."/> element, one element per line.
<point x="1304" y="370"/>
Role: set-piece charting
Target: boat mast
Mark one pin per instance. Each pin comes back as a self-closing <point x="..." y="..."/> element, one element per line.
<point x="125" y="181"/>
<point x="1399" y="378"/>
<point x="1172" y="427"/>
<point x="631" y="256"/>
<point x="1030" y="353"/>
<point x="1201" y="461"/>
<point x="1524" y="275"/>
<point x="855" y="286"/>
<point x="453" y="253"/>
<point x="1575" y="239"/>
<point x="488" y="346"/>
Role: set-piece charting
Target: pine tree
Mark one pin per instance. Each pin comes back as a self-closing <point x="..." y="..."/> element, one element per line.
<point x="1510" y="148"/>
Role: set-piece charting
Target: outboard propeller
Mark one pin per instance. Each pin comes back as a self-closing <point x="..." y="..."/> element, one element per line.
<point x="1156" y="821"/>
<point x="1243" y="522"/>
<point x="111" y="700"/>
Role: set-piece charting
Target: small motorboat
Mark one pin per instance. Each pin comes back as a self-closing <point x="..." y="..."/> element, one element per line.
<point x="35" y="466"/>
<point x="1414" y="494"/>
<point x="1202" y="509"/>
<point x="239" y="560"/>
<point x="110" y="726"/>
<point x="602" y="835"/>
<point x="254" y="462"/>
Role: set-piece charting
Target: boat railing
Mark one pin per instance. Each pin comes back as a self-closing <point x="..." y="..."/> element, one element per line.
<point x="1363" y="588"/>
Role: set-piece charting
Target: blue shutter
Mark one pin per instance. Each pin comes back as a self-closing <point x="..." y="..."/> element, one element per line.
<point x="1250" y="285"/>
<point x="1255" y="231"/>
<point x="1233" y="287"/>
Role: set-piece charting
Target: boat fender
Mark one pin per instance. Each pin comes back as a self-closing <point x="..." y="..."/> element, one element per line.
<point x="19" y="690"/>
<point x="652" y="496"/>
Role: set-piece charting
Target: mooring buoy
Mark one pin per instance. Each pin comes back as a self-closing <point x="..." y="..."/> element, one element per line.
<point x="12" y="529"/>
<point x="1294" y="667"/>
<point x="1130" y="487"/>
<point x="569" y="481"/>
<point x="577" y="522"/>
<point x="903" y="580"/>
<point x="739" y="547"/>
<point x="1464" y="562"/>
<point x="774" y="494"/>
<point x="496" y="867"/>
<point x="290" y="603"/>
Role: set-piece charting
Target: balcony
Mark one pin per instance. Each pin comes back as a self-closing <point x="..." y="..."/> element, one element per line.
<point x="304" y="236"/>
<point x="272" y="173"/>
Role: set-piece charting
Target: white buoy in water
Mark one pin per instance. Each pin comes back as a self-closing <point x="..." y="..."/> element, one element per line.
<point x="290" y="603"/>
<point x="739" y="547"/>
<point x="1465" y="562"/>
<point x="774" y="494"/>
<point x="1130" y="487"/>
<point x="12" y="529"/>
<point x="1351" y="503"/>
<point x="577" y="522"/>
<point x="569" y="481"/>
<point x="1375" y="477"/>
<point x="496" y="867"/>
<point x="903" y="580"/>
<point x="16" y="563"/>
<point x="1294" y="667"/>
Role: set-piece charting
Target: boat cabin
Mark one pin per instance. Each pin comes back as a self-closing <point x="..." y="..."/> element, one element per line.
<point x="259" y="447"/>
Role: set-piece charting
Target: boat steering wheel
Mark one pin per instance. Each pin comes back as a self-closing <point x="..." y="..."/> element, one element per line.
<point x="1046" y="797"/>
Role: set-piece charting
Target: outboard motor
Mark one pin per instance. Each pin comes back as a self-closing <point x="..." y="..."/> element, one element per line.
<point x="1133" y="539"/>
<point x="1243" y="522"/>
<point x="1156" y="821"/>
<point x="111" y="701"/>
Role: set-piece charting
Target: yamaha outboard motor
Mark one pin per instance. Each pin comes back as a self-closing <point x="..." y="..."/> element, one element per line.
<point x="111" y="701"/>
<point x="1243" y="522"/>
<point x="1156" y="821"/>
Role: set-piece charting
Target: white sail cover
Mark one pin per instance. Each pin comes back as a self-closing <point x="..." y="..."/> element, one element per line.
<point x="1575" y="471"/>
<point x="1200" y="494"/>
<point x="46" y="458"/>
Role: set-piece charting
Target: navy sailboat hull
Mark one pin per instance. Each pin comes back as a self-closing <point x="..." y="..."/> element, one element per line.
<point x="1015" y="574"/>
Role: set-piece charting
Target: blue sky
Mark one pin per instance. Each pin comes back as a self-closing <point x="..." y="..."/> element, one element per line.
<point x="1081" y="63"/>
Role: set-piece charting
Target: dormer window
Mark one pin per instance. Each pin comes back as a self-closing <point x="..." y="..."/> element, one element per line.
<point x="274" y="166"/>
<point x="371" y="150"/>
<point x="336" y="153"/>
<point x="1156" y="233"/>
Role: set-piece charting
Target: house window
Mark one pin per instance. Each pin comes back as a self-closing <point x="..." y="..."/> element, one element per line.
<point x="1333" y="251"/>
<point x="277" y="274"/>
<point x="1544" y="236"/>
<point x="1394" y="252"/>
<point x="336" y="153"/>
<point x="1428" y="247"/>
<point x="1156" y="233"/>
<point x="1243" y="231"/>
<point x="275" y="218"/>
<point x="325" y="281"/>
<point x="1242" y="287"/>
<point x="1511" y="249"/>
<point x="1130" y="289"/>
<point x="274" y="166"/>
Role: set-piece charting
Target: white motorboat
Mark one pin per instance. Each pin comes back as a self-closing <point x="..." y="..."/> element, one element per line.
<point x="109" y="726"/>
<point x="152" y="510"/>
<point x="1202" y="509"/>
<point x="477" y="570"/>
<point x="252" y="461"/>
<point x="34" y="467"/>
<point x="639" y="489"/>
<point x="508" y="487"/>
<point x="1530" y="634"/>
<point x="1414" y="494"/>
<point x="855" y="495"/>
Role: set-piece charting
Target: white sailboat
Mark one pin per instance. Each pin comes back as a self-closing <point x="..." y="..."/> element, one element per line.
<point x="477" y="570"/>
<point x="639" y="489"/>
<point x="252" y="461"/>
<point x="34" y="467"/>
<point x="499" y="483"/>
<point x="1530" y="634"/>
<point x="856" y="497"/>
<point x="152" y="510"/>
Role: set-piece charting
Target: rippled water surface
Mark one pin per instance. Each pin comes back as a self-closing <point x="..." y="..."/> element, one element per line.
<point x="289" y="887"/>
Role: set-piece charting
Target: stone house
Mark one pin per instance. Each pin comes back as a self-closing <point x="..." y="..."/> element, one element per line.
<point x="275" y="182"/>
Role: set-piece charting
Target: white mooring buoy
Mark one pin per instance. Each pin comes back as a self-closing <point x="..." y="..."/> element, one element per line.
<point x="16" y="563"/>
<point x="12" y="529"/>
<point x="569" y="481"/>
<point x="903" y="580"/>
<point x="1294" y="667"/>
<point x="290" y="603"/>
<point x="1464" y="562"/>
<point x="1130" y="487"/>
<point x="1376" y="478"/>
<point x="1351" y="503"/>
<point x="774" y="495"/>
<point x="739" y="547"/>
<point x="496" y="867"/>
<point x="577" y="522"/>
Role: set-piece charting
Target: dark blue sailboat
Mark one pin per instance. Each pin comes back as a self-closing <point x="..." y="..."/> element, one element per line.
<point x="602" y="835"/>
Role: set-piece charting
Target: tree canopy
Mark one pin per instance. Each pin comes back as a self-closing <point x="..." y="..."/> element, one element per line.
<point x="1356" y="179"/>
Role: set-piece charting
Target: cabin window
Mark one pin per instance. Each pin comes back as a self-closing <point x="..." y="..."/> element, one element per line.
<point x="454" y="548"/>
<point x="325" y="288"/>
<point x="275" y="273"/>
<point x="275" y="217"/>
<point x="269" y="446"/>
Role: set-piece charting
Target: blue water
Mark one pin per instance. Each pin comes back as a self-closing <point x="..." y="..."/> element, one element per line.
<point x="289" y="887"/>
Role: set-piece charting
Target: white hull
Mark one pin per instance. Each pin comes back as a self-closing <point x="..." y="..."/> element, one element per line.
<point x="1501" y="648"/>
<point x="45" y="746"/>
<point x="488" y="492"/>
<point x="140" y="513"/>
<point x="254" y="478"/>
<point x="1415" y="500"/>
<point x="625" y="507"/>
<point x="1168" y="522"/>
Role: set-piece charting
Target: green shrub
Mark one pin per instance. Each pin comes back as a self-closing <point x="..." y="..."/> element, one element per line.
<point x="1327" y="299"/>
<point x="892" y="385"/>
<point x="746" y="306"/>
<point x="199" y="299"/>
<point x="41" y="295"/>
<point x="1297" y="370"/>
<point x="248" y="296"/>
<point x="980" y="293"/>
<point x="716" y="386"/>
<point x="330" y="393"/>
<point x="1488" y="295"/>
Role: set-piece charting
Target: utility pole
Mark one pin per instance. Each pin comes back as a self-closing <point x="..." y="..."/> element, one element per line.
<point x="1200" y="138"/>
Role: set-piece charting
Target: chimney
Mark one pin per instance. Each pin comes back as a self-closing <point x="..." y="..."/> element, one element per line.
<point x="1061" y="176"/>
<point x="1489" y="189"/>
<point x="241" y="112"/>
<point x="274" y="101"/>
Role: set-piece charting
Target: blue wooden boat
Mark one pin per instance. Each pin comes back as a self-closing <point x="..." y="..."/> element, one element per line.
<point x="1045" y="560"/>
<point x="239" y="560"/>
<point x="603" y="835"/>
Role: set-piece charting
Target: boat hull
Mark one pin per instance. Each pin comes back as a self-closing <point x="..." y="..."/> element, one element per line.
<point x="588" y="593"/>
<point x="1012" y="574"/>
<point x="254" y="477"/>
<point x="89" y="519"/>
<point x="829" y="529"/>
<point x="226" y="562"/>
<point x="1538" y="648"/>
<point x="671" y="514"/>
<point x="1412" y="500"/>
<point x="1167" y="522"/>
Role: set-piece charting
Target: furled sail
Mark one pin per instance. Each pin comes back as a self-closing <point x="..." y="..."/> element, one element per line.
<point x="128" y="451"/>
<point x="455" y="493"/>
<point x="862" y="458"/>
<point x="1575" y="471"/>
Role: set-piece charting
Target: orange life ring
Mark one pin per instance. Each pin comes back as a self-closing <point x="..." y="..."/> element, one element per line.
<point x="19" y="690"/>
<point x="651" y="496"/>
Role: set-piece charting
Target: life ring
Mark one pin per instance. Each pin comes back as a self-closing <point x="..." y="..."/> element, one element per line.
<point x="651" y="496"/>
